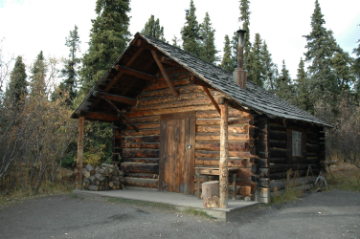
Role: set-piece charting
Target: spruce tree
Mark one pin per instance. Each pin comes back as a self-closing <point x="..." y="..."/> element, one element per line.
<point x="175" y="41"/>
<point x="355" y="69"/>
<point x="320" y="48"/>
<point x="190" y="32"/>
<point x="108" y="38"/>
<point x="70" y="71"/>
<point x="269" y="67"/>
<point x="227" y="63"/>
<point x="257" y="72"/>
<point x="38" y="74"/>
<point x="341" y="65"/>
<point x="207" y="48"/>
<point x="303" y="86"/>
<point x="245" y="18"/>
<point x="17" y="85"/>
<point x="153" y="28"/>
<point x="284" y="88"/>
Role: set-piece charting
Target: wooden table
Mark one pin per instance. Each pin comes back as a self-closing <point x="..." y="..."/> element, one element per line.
<point x="214" y="171"/>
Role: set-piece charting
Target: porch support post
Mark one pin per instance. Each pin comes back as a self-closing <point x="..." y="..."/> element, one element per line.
<point x="224" y="153"/>
<point x="80" y="150"/>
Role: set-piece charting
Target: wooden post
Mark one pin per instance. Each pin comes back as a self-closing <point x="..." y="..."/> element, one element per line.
<point x="224" y="152"/>
<point x="80" y="150"/>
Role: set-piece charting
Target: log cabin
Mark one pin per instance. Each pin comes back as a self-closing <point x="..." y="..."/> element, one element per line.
<point x="179" y="121"/>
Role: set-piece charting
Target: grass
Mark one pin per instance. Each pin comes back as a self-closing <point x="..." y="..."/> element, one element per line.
<point x="344" y="176"/>
<point x="197" y="213"/>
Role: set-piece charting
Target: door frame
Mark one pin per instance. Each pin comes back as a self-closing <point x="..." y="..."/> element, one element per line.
<point x="190" y="153"/>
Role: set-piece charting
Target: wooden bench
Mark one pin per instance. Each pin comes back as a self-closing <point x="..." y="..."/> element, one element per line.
<point x="214" y="171"/>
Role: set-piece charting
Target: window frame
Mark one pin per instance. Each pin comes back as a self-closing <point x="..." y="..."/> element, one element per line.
<point x="289" y="131"/>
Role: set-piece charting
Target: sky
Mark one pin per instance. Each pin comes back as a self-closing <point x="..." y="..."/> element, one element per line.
<point x="28" y="26"/>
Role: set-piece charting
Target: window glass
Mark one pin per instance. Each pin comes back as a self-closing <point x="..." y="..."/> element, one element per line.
<point x="296" y="143"/>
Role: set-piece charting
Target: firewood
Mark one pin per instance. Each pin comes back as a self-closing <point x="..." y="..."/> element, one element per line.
<point x="111" y="184"/>
<point x="86" y="183"/>
<point x="92" y="179"/>
<point x="107" y="165"/>
<point x="85" y="173"/>
<point x="117" y="183"/>
<point x="99" y="176"/>
<point x="97" y="183"/>
<point x="115" y="178"/>
<point x="90" y="169"/>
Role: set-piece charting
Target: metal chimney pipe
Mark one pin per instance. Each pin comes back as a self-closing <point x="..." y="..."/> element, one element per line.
<point x="239" y="73"/>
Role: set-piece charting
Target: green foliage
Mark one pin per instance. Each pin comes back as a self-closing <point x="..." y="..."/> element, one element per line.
<point x="38" y="74"/>
<point x="108" y="38"/>
<point x="207" y="47"/>
<point x="69" y="71"/>
<point x="269" y="68"/>
<point x="190" y="33"/>
<point x="153" y="28"/>
<point x="284" y="88"/>
<point x="175" y="41"/>
<point x="257" y="72"/>
<point x="17" y="85"/>
<point x="303" y="88"/>
<point x="227" y="63"/>
<point x="356" y="66"/>
<point x="245" y="17"/>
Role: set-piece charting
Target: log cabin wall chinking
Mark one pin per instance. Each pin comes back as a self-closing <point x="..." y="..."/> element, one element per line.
<point x="164" y="106"/>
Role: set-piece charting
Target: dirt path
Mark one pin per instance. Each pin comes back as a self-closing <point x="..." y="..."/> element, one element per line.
<point x="334" y="214"/>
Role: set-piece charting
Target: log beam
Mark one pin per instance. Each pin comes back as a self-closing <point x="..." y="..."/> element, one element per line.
<point x="80" y="151"/>
<point x="224" y="152"/>
<point x="122" y="115"/>
<point x="117" y="98"/>
<point x="212" y="99"/>
<point x="163" y="72"/>
<point x="99" y="116"/>
<point x="168" y="61"/>
<point x="136" y="73"/>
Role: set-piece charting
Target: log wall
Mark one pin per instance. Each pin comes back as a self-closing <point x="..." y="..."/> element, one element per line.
<point x="140" y="150"/>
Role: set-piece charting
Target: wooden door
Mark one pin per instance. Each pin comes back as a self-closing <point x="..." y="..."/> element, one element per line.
<point x="177" y="151"/>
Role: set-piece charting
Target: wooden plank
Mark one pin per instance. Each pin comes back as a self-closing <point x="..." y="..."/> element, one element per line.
<point x="80" y="152"/>
<point x="145" y="102"/>
<point x="141" y="133"/>
<point x="163" y="72"/>
<point x="140" y="153"/>
<point x="223" y="165"/>
<point x="234" y="129"/>
<point x="212" y="99"/>
<point x="216" y="137"/>
<point x="130" y="167"/>
<point x="141" y="182"/>
<point x="140" y="160"/>
<point x="169" y="111"/>
<point x="178" y="80"/>
<point x="216" y="121"/>
<point x="216" y="154"/>
<point x="168" y="61"/>
<point x="145" y="126"/>
<point x="122" y="115"/>
<point x="215" y="146"/>
<point x="99" y="116"/>
<point x="187" y="89"/>
<point x="136" y="73"/>
<point x="214" y="114"/>
<point x="140" y="139"/>
<point x="116" y="98"/>
<point x="233" y="162"/>
<point x="141" y="145"/>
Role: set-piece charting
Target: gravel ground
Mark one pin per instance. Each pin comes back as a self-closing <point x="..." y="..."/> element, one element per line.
<point x="334" y="214"/>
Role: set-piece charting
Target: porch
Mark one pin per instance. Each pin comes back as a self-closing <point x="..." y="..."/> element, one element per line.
<point x="178" y="200"/>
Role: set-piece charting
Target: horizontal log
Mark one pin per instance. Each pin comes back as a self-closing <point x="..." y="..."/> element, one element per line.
<point x="301" y="187"/>
<point x="278" y="153"/>
<point x="141" y="145"/>
<point x="169" y="111"/>
<point x="141" y="132"/>
<point x="141" y="182"/>
<point x="179" y="80"/>
<point x="136" y="73"/>
<point x="215" y="146"/>
<point x="116" y="98"/>
<point x="310" y="141"/>
<point x="231" y="121"/>
<point x="312" y="136"/>
<point x="263" y="182"/>
<point x="141" y="139"/>
<point x="145" y="126"/>
<point x="278" y="160"/>
<point x="140" y="160"/>
<point x="284" y="175"/>
<point x="232" y="162"/>
<point x="216" y="137"/>
<point x="276" y="135"/>
<point x="312" y="148"/>
<point x="234" y="129"/>
<point x="277" y="127"/>
<point x="216" y="154"/>
<point x="214" y="114"/>
<point x="140" y="168"/>
<point x="262" y="162"/>
<point x="142" y="175"/>
<point x="263" y="172"/>
<point x="165" y="92"/>
<point x="140" y="153"/>
<point x="291" y="166"/>
<point x="278" y="144"/>
<point x="281" y="184"/>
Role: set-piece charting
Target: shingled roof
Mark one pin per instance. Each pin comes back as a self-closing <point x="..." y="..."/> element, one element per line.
<point x="253" y="97"/>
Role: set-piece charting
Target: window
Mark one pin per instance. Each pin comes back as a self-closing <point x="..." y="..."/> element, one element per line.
<point x="296" y="143"/>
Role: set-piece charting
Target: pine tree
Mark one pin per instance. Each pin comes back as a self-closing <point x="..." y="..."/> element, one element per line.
<point x="355" y="69"/>
<point x="341" y="65"/>
<point x="190" y="32"/>
<point x="245" y="17"/>
<point x="227" y="63"/>
<point x="69" y="71"/>
<point x="175" y="41"/>
<point x="153" y="28"/>
<point x="17" y="85"/>
<point x="320" y="48"/>
<point x="269" y="67"/>
<point x="207" y="48"/>
<point x="108" y="38"/>
<point x="303" y="86"/>
<point x="38" y="74"/>
<point x="284" y="88"/>
<point x="257" y="72"/>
